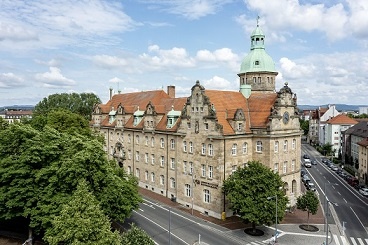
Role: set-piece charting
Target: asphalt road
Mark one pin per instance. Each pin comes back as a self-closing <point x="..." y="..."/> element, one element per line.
<point x="350" y="206"/>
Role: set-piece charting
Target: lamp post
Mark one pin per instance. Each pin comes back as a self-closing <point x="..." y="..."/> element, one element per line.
<point x="269" y="198"/>
<point x="327" y="207"/>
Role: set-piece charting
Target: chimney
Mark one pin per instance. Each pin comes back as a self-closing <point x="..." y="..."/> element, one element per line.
<point x="110" y="93"/>
<point x="171" y="91"/>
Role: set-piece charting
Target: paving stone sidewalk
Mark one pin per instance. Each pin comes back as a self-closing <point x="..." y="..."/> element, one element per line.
<point x="234" y="223"/>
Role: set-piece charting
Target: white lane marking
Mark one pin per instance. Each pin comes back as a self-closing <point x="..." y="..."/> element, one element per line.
<point x="141" y="210"/>
<point x="344" y="242"/>
<point x="336" y="239"/>
<point x="161" y="227"/>
<point x="359" y="220"/>
<point x="150" y="205"/>
<point x="338" y="193"/>
<point x="345" y="200"/>
<point x="353" y="241"/>
<point x="360" y="241"/>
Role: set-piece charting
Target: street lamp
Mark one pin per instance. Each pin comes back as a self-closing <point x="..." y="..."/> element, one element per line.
<point x="327" y="206"/>
<point x="269" y="198"/>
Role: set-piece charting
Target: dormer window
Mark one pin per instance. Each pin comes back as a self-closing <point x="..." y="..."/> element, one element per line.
<point x="172" y="117"/>
<point x="112" y="114"/>
<point x="256" y="62"/>
<point x="138" y="116"/>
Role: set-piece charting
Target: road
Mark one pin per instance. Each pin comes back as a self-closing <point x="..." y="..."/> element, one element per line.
<point x="166" y="226"/>
<point x="350" y="208"/>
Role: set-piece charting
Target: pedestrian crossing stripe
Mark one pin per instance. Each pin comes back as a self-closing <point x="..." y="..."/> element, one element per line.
<point x="354" y="240"/>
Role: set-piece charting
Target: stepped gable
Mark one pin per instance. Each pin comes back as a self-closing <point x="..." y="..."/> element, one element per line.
<point x="260" y="108"/>
<point x="226" y="104"/>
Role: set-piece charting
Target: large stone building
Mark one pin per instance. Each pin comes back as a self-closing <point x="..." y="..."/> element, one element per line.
<point x="184" y="148"/>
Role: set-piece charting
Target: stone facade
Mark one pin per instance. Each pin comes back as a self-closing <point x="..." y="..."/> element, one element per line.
<point x="184" y="148"/>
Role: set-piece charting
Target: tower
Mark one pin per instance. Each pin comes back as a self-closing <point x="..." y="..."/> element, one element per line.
<point x="257" y="70"/>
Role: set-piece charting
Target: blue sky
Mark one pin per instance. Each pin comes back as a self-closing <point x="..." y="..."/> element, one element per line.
<point x="319" y="46"/>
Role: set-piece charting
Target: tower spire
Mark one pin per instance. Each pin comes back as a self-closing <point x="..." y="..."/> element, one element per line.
<point x="258" y="20"/>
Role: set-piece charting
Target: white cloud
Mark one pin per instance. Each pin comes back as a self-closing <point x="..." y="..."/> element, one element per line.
<point x="190" y="9"/>
<point x="292" y="70"/>
<point x="10" y="80"/>
<point x="54" y="79"/>
<point x="217" y="82"/>
<point x="115" y="80"/>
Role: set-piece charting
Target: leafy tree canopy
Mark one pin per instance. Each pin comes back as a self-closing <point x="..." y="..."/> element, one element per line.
<point x="63" y="121"/>
<point x="39" y="171"/>
<point x="82" y="221"/>
<point x="308" y="202"/>
<point x="81" y="104"/>
<point x="249" y="191"/>
<point x="136" y="236"/>
<point x="3" y="123"/>
<point x="304" y="124"/>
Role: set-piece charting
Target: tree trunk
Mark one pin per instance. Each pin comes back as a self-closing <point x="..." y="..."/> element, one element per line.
<point x="308" y="220"/>
<point x="30" y="236"/>
<point x="254" y="227"/>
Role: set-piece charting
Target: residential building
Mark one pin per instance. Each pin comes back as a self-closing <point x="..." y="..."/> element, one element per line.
<point x="333" y="131"/>
<point x="184" y="148"/>
<point x="363" y="110"/>
<point x="363" y="159"/>
<point x="12" y="116"/>
<point x="353" y="138"/>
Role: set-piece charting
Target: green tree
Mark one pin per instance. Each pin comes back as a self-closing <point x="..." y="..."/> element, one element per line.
<point x="248" y="190"/>
<point x="3" y="123"/>
<point x="81" y="221"/>
<point x="63" y="121"/>
<point x="82" y="104"/>
<point x="308" y="202"/>
<point x="304" y="125"/>
<point x="39" y="170"/>
<point x="136" y="236"/>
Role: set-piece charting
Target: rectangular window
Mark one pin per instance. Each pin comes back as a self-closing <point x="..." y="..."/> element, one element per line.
<point x="188" y="124"/>
<point x="172" y="144"/>
<point x="210" y="172"/>
<point x="153" y="177"/>
<point x="240" y="126"/>
<point x="234" y="149"/>
<point x="162" y="143"/>
<point x="285" y="167"/>
<point x="172" y="163"/>
<point x="146" y="157"/>
<point x="276" y="168"/>
<point x="210" y="149"/>
<point x="137" y="172"/>
<point x="206" y="126"/>
<point x="153" y="159"/>
<point x="203" y="149"/>
<point x="162" y="161"/>
<point x="207" y="196"/>
<point x="188" y="190"/>
<point x="137" y="156"/>
<point x="184" y="146"/>
<point x="162" y="180"/>
<point x="292" y="165"/>
<point x="259" y="147"/>
<point x="190" y="167"/>
<point x="146" y="140"/>
<point x="276" y="146"/>
<point x="191" y="147"/>
<point x="245" y="148"/>
<point x="137" y="139"/>
<point x="153" y="142"/>
<point x="129" y="154"/>
<point x="293" y="145"/>
<point x="172" y="183"/>
<point x="146" y="175"/>
<point x="203" y="166"/>
<point x="285" y="145"/>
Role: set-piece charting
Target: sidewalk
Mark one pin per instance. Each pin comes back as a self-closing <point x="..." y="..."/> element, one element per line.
<point x="234" y="223"/>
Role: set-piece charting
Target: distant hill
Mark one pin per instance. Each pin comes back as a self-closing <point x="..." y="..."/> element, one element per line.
<point x="339" y="107"/>
<point x="18" y="107"/>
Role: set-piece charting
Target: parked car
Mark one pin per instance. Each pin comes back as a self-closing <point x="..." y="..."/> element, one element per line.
<point x="302" y="172"/>
<point x="324" y="160"/>
<point x="314" y="162"/>
<point x="305" y="156"/>
<point x="364" y="191"/>
<point x="353" y="181"/>
<point x="305" y="179"/>
<point x="310" y="186"/>
<point x="334" y="168"/>
<point x="358" y="187"/>
<point x="307" y="164"/>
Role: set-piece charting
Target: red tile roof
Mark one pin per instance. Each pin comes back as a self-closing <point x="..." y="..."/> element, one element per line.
<point x="342" y="119"/>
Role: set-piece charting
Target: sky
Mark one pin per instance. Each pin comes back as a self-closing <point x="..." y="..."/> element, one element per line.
<point x="320" y="47"/>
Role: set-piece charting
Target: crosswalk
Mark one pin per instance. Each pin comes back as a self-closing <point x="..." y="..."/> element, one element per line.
<point x="341" y="240"/>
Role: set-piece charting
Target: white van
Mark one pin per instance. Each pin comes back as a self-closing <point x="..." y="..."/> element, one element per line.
<point x="307" y="163"/>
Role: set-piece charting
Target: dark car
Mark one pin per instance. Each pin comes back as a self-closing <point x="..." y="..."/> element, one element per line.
<point x="314" y="162"/>
<point x="324" y="160"/>
<point x="353" y="181"/>
<point x="305" y="156"/>
<point x="302" y="172"/>
<point x="310" y="186"/>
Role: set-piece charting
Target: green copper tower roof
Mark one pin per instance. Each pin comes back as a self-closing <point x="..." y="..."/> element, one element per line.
<point x="257" y="60"/>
